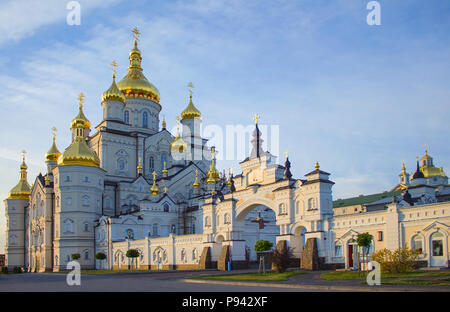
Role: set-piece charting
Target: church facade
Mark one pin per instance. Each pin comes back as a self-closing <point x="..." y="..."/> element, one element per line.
<point x="134" y="185"/>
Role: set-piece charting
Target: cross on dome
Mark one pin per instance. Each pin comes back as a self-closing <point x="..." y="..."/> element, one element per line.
<point x="255" y="118"/>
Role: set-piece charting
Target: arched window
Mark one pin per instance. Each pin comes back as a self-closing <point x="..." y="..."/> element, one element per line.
<point x="145" y="120"/>
<point x="207" y="221"/>
<point x="86" y="255"/>
<point x="217" y="220"/>
<point x="86" y="227"/>
<point x="163" y="159"/>
<point x="226" y="218"/>
<point x="417" y="243"/>
<point x="166" y="207"/>
<point x="437" y="246"/>
<point x="126" y="117"/>
<point x="311" y="203"/>
<point x="155" y="229"/>
<point x="282" y="209"/>
<point x="151" y="163"/>
<point x="86" y="200"/>
<point x="68" y="226"/>
<point x="121" y="164"/>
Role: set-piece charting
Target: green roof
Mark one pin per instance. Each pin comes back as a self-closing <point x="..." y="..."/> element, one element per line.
<point x="364" y="199"/>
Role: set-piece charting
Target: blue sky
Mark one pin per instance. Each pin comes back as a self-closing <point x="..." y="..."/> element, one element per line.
<point x="357" y="98"/>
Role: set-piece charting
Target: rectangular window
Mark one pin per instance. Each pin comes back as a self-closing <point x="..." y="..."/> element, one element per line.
<point x="338" y="251"/>
<point x="437" y="248"/>
<point x="380" y="236"/>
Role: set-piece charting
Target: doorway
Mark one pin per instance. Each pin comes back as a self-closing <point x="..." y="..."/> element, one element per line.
<point x="437" y="258"/>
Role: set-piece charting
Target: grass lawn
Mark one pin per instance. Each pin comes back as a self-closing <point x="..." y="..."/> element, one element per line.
<point x="419" y="282"/>
<point x="349" y="275"/>
<point x="268" y="277"/>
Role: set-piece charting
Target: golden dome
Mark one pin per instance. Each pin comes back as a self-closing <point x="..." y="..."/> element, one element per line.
<point x="22" y="190"/>
<point x="79" y="154"/>
<point x="80" y="120"/>
<point x="53" y="153"/>
<point x="431" y="171"/>
<point x="113" y="93"/>
<point x="213" y="173"/>
<point x="178" y="145"/>
<point x="190" y="111"/>
<point x="196" y="184"/>
<point x="135" y="84"/>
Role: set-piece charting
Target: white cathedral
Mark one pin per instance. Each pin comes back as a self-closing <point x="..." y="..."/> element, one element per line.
<point x="134" y="185"/>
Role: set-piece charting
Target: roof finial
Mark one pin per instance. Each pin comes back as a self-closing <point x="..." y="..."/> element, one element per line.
<point x="287" y="154"/>
<point x="81" y="97"/>
<point x="114" y="66"/>
<point x="139" y="167"/>
<point x="403" y="167"/>
<point x="255" y="118"/>
<point x="23" y="155"/>
<point x="164" y="122"/>
<point x="54" y="133"/>
<point x="136" y="35"/>
<point x="317" y="165"/>
<point x="426" y="149"/>
<point x="190" y="86"/>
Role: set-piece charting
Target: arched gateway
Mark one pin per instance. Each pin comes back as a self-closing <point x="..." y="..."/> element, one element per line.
<point x="267" y="203"/>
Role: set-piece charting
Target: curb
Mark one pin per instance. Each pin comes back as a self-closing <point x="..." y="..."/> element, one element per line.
<point x="317" y="287"/>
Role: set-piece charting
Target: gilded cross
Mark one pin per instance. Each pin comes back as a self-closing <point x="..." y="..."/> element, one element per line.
<point x="23" y="154"/>
<point x="114" y="66"/>
<point x="255" y="118"/>
<point x="154" y="176"/>
<point x="81" y="99"/>
<point x="426" y="148"/>
<point x="190" y="86"/>
<point x="136" y="33"/>
<point x="54" y="132"/>
<point x="287" y="154"/>
<point x="213" y="152"/>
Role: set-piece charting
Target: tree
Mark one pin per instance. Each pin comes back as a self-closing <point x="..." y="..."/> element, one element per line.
<point x="75" y="256"/>
<point x="132" y="253"/>
<point x="263" y="245"/>
<point x="100" y="256"/>
<point x="364" y="240"/>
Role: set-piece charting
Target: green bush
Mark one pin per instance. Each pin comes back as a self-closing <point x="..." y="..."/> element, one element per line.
<point x="100" y="256"/>
<point x="132" y="253"/>
<point x="263" y="245"/>
<point x="400" y="260"/>
<point x="76" y="256"/>
<point x="4" y="270"/>
<point x="17" y="269"/>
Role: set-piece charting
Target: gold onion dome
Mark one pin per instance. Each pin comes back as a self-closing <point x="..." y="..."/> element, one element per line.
<point x="196" y="184"/>
<point x="53" y="153"/>
<point x="178" y="145"/>
<point x="80" y="120"/>
<point x="430" y="170"/>
<point x="190" y="112"/>
<point x="79" y="153"/>
<point x="22" y="190"/>
<point x="113" y="93"/>
<point x="135" y="84"/>
<point x="213" y="173"/>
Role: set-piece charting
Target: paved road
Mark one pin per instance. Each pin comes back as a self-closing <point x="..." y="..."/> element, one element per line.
<point x="156" y="282"/>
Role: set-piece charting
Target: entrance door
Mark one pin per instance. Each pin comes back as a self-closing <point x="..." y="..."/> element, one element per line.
<point x="437" y="250"/>
<point x="159" y="260"/>
<point x="350" y="256"/>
